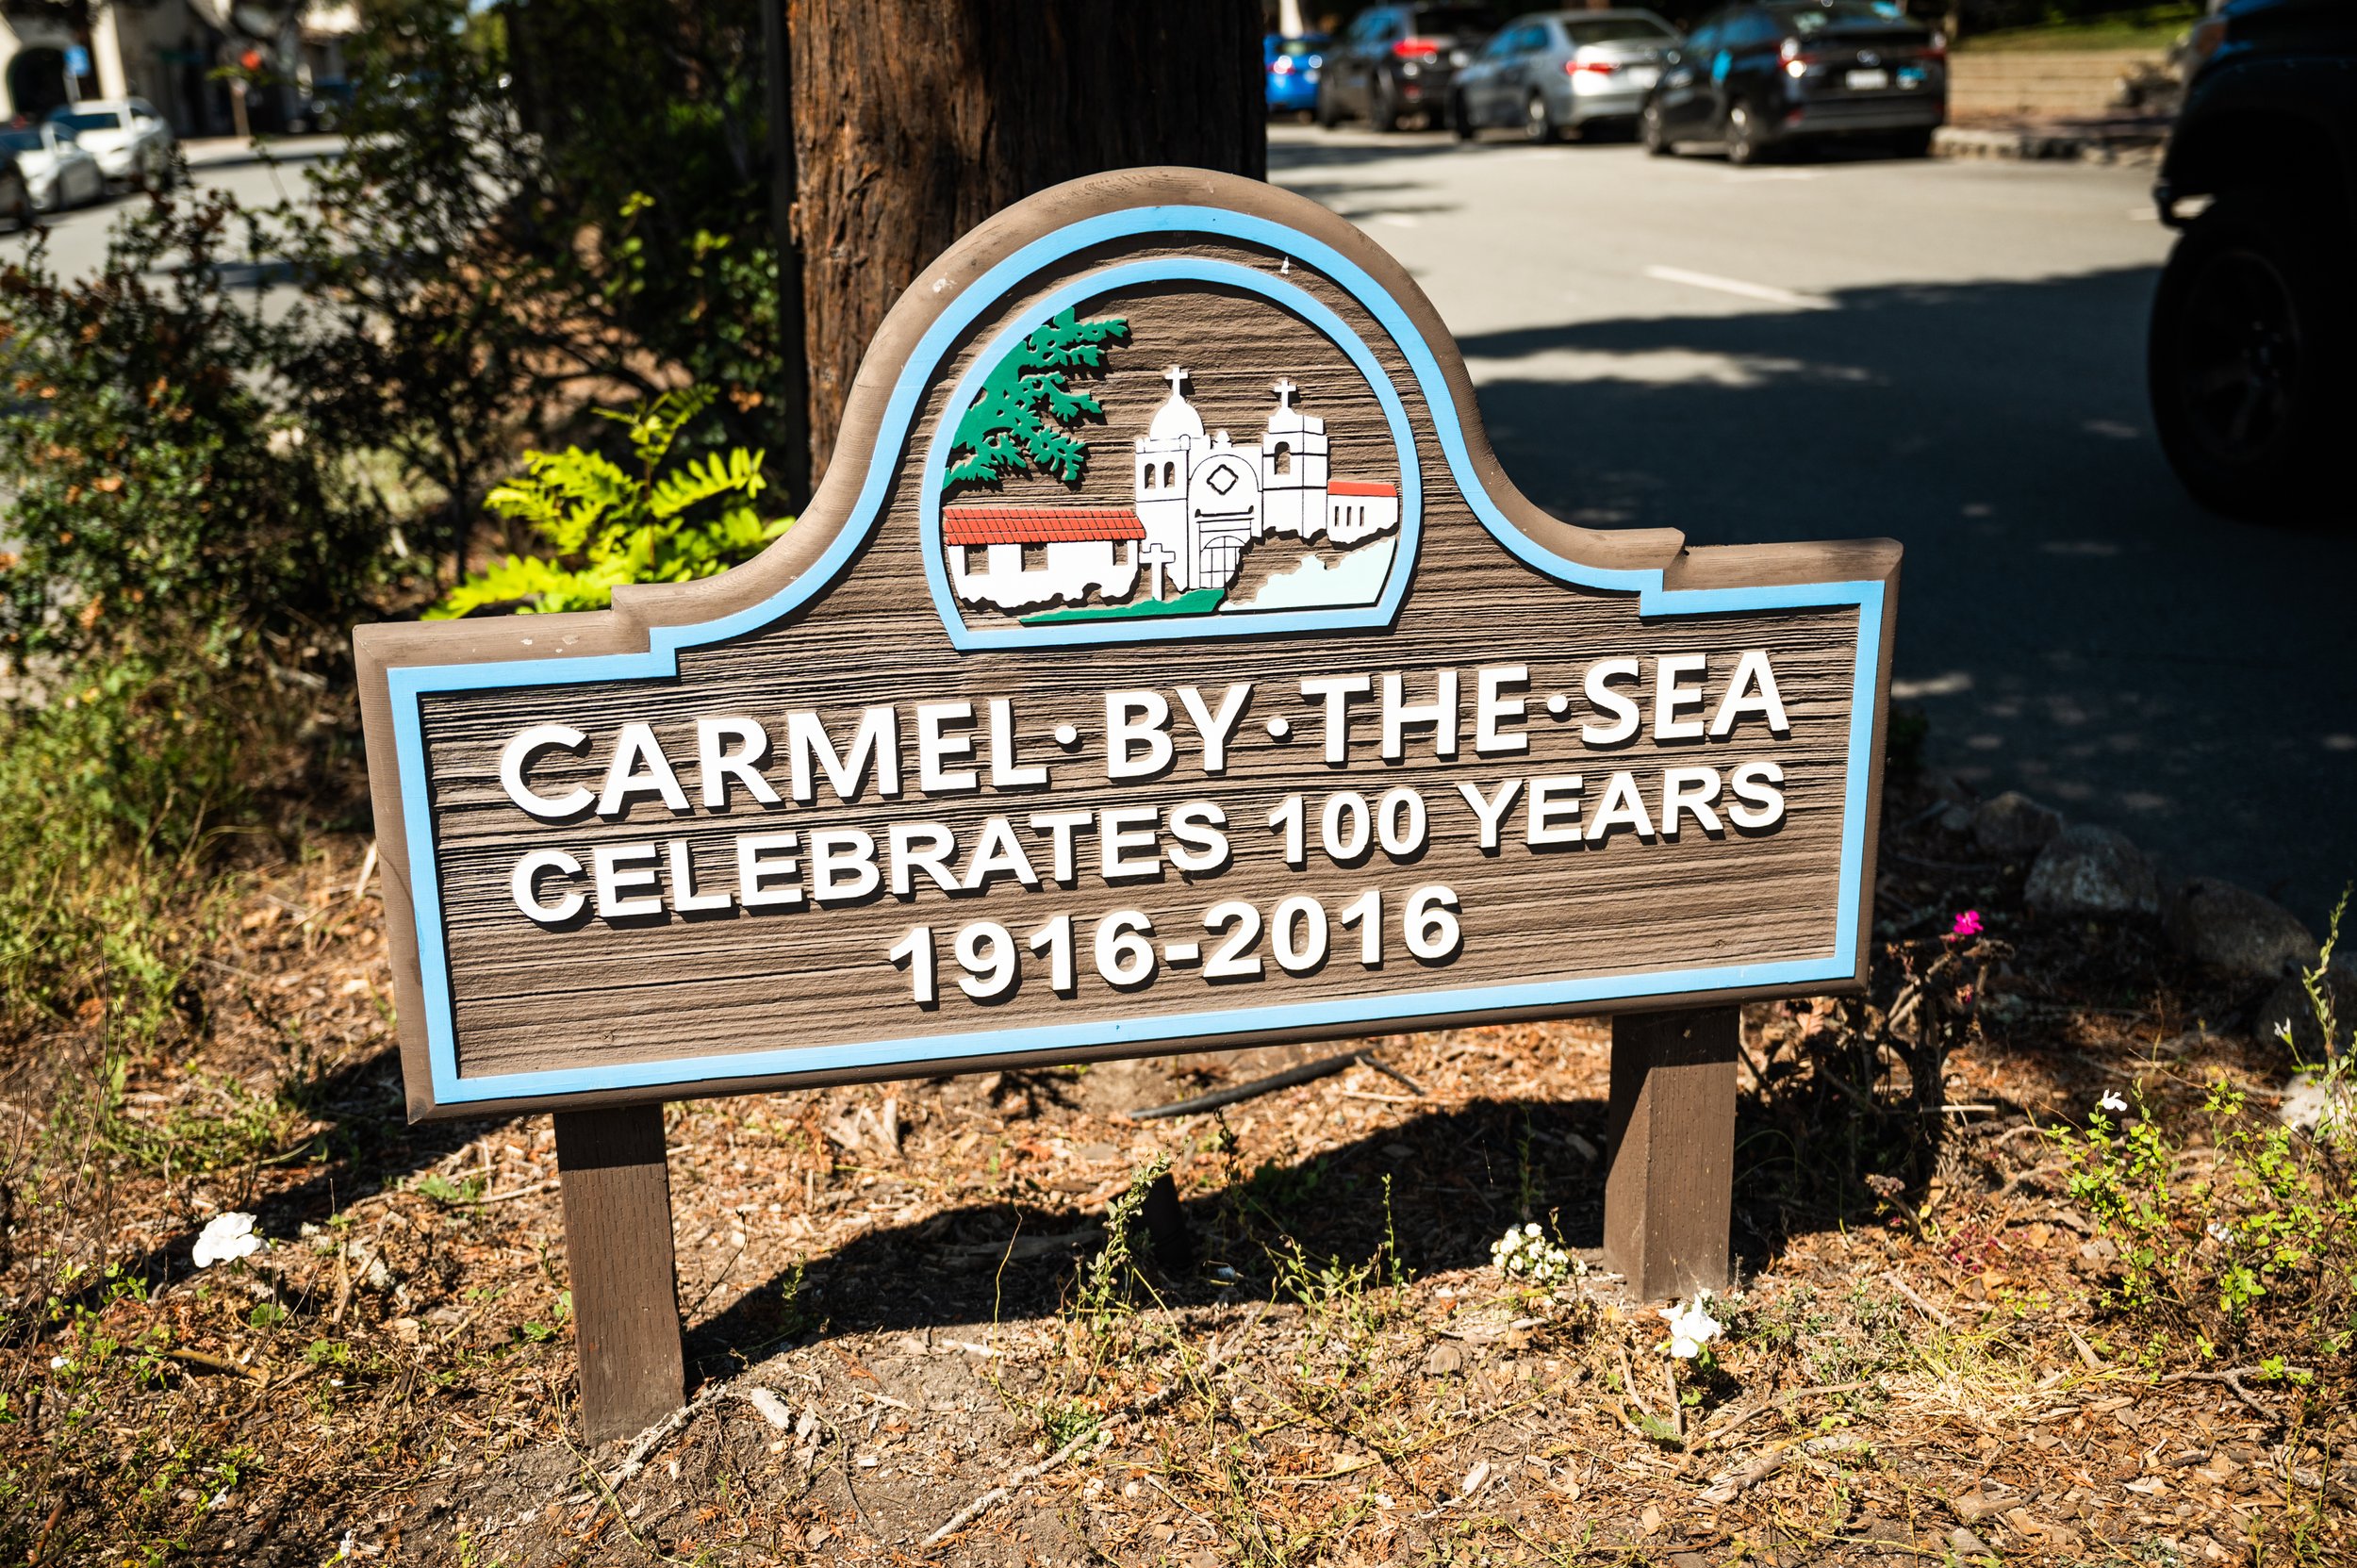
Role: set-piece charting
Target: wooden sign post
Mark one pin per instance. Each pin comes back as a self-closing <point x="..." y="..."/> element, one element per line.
<point x="1164" y="664"/>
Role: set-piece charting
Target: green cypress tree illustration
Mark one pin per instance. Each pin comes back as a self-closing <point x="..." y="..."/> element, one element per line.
<point x="1024" y="420"/>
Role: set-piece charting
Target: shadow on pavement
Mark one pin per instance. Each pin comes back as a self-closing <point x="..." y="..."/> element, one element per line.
<point x="2072" y="623"/>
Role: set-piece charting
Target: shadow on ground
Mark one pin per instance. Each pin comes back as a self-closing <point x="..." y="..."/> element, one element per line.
<point x="1455" y="1180"/>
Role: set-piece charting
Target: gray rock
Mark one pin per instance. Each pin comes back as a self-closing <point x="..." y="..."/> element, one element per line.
<point x="2092" y="871"/>
<point x="2289" y="1003"/>
<point x="2012" y="825"/>
<point x="2237" y="932"/>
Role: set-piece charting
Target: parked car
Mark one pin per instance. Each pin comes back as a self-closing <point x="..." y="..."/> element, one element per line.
<point x="16" y="196"/>
<point x="130" y="141"/>
<point x="1559" y="73"/>
<point x="1290" y="71"/>
<point x="57" y="171"/>
<point x="1755" y="77"/>
<point x="2253" y="332"/>
<point x="1394" y="61"/>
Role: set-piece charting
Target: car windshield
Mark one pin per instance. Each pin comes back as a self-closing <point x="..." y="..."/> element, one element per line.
<point x="1433" y="21"/>
<point x="1300" y="47"/>
<point x="87" y="120"/>
<point x="1613" y="29"/>
<point x="1842" y="14"/>
<point x="19" y="142"/>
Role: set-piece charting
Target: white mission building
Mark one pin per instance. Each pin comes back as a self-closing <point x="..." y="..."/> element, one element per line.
<point x="1200" y="500"/>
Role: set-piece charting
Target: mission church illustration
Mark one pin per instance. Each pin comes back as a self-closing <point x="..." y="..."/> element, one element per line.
<point x="1200" y="502"/>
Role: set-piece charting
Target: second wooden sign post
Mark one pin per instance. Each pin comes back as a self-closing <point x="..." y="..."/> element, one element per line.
<point x="1163" y="664"/>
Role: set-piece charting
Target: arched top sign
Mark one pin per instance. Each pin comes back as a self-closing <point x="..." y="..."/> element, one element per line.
<point x="1164" y="661"/>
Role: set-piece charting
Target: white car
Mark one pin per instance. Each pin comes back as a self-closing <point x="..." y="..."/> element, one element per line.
<point x="58" y="171"/>
<point x="131" y="141"/>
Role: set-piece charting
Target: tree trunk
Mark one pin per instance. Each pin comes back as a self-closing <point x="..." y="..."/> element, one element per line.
<point x="915" y="120"/>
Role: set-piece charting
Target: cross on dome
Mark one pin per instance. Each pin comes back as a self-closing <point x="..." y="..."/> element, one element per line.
<point x="1284" y="389"/>
<point x="1176" y="419"/>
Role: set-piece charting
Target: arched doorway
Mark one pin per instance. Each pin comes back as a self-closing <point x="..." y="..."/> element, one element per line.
<point x="36" y="82"/>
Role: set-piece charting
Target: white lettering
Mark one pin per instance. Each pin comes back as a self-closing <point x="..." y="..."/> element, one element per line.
<point x="934" y="747"/>
<point x="616" y="873"/>
<point x="1215" y="728"/>
<point x="524" y="886"/>
<point x="753" y="869"/>
<point x="842" y="865"/>
<point x="1554" y="813"/>
<point x="1336" y="692"/>
<point x="715" y="766"/>
<point x="1752" y="675"/>
<point x="1491" y="705"/>
<point x="1755" y="783"/>
<point x="1624" y="715"/>
<point x="1137" y="746"/>
<point x="625" y="777"/>
<point x="1440" y="713"/>
<point x="876" y="746"/>
<point x="1492" y="810"/>
<point x="1670" y="699"/>
<point x="1004" y="774"/>
<point x="517" y="756"/>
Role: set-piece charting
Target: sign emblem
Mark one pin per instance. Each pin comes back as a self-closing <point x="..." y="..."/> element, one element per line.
<point x="1165" y="662"/>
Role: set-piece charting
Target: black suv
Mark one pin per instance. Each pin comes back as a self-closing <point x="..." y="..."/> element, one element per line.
<point x="1753" y="77"/>
<point x="2252" y="356"/>
<point x="1398" y="60"/>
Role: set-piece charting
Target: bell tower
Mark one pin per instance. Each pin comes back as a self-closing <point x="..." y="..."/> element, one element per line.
<point x="1292" y="467"/>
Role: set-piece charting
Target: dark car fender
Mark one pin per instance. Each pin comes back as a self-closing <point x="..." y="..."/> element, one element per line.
<point x="2282" y="121"/>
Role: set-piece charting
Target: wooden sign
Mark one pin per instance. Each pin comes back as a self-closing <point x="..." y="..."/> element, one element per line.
<point x="1163" y="663"/>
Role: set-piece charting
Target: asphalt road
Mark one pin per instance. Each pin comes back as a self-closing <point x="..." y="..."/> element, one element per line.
<point x="77" y="237"/>
<point x="1950" y="353"/>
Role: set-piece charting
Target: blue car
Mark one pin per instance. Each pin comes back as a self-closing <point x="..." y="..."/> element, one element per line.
<point x="1293" y="71"/>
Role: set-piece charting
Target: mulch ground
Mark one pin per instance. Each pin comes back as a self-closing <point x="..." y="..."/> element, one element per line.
<point x="890" y="1330"/>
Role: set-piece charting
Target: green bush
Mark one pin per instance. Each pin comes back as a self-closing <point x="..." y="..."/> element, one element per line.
<point x="2247" y="1246"/>
<point x="604" y="526"/>
<point x="116" y="786"/>
<point x="167" y="495"/>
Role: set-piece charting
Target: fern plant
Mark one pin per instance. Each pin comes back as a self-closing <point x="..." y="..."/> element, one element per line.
<point x="605" y="526"/>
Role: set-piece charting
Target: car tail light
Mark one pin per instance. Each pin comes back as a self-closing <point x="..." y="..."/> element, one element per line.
<point x="1788" y="51"/>
<point x="1935" y="50"/>
<point x="1282" y="65"/>
<point x="1589" y="68"/>
<point x="1417" y="48"/>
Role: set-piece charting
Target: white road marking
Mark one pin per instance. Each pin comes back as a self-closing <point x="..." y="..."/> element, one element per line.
<point x="1736" y="286"/>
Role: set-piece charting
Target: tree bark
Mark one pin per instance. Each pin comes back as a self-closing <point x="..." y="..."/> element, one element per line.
<point x="915" y="120"/>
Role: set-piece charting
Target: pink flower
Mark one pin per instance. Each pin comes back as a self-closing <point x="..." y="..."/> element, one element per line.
<point x="1968" y="924"/>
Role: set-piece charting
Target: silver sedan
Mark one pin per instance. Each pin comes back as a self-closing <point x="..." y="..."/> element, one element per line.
<point x="1555" y="74"/>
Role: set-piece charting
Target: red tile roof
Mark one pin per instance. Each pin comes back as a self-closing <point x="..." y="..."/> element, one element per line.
<point x="1362" y="486"/>
<point x="962" y="525"/>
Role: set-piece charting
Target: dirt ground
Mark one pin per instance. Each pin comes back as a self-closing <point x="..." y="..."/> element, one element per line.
<point x="911" y="1337"/>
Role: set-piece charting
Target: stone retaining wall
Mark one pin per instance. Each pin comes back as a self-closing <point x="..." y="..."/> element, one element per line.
<point x="2008" y="83"/>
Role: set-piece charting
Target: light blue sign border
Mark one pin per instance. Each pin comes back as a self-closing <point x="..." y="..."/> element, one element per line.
<point x="409" y="683"/>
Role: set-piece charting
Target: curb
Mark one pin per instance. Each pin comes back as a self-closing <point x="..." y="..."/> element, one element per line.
<point x="1965" y="141"/>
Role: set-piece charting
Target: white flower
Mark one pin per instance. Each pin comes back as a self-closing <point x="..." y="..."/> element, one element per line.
<point x="226" y="1237"/>
<point x="344" y="1549"/>
<point x="2112" y="1102"/>
<point x="58" y="1363"/>
<point x="1691" y="1326"/>
<point x="2220" y="1233"/>
<point x="1524" y="1253"/>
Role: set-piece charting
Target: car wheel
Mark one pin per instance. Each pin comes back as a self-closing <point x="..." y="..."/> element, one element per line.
<point x="2249" y="337"/>
<point x="1461" y="117"/>
<point x="1743" y="144"/>
<point x="1539" y="119"/>
<point x="16" y="201"/>
<point x="1327" y="113"/>
<point x="1655" y="134"/>
<point x="1382" y="112"/>
<point x="1916" y="143"/>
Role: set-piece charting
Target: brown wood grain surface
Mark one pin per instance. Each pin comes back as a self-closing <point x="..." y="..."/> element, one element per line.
<point x="1668" y="1192"/>
<point x="619" y="1254"/>
<point x="602" y="992"/>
